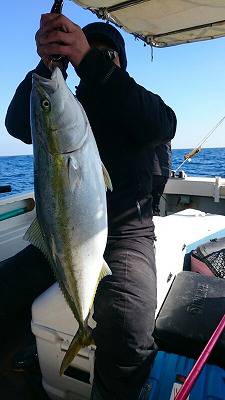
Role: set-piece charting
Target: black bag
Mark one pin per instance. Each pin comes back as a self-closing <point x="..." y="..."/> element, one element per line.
<point x="209" y="258"/>
<point x="190" y="314"/>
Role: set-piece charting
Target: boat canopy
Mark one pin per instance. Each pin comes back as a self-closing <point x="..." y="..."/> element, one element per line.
<point x="163" y="23"/>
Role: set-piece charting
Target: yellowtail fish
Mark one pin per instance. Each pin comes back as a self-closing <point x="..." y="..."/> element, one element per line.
<point x="70" y="184"/>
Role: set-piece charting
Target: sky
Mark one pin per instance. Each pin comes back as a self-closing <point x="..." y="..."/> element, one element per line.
<point x="190" y="78"/>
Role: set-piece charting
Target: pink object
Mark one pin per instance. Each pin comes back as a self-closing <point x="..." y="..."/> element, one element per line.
<point x="200" y="267"/>
<point x="201" y="361"/>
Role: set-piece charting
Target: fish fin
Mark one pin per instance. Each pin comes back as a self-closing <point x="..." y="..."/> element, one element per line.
<point x="64" y="288"/>
<point x="83" y="338"/>
<point x="73" y="173"/>
<point x="35" y="237"/>
<point x="105" y="270"/>
<point x="107" y="180"/>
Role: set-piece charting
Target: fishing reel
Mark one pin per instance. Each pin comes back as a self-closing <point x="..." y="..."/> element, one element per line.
<point x="180" y="175"/>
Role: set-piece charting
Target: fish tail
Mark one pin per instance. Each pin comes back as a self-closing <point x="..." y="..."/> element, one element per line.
<point x="83" y="338"/>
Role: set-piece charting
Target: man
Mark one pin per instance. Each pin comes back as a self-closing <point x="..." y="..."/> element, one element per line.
<point x="161" y="173"/>
<point x="128" y="122"/>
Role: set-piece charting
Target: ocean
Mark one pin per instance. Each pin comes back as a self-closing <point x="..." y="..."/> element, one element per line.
<point x="17" y="171"/>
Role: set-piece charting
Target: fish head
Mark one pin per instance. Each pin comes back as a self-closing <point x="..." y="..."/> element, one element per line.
<point x="58" y="120"/>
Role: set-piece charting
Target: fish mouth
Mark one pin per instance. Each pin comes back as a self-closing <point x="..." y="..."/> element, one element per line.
<point x="49" y="86"/>
<point x="58" y="115"/>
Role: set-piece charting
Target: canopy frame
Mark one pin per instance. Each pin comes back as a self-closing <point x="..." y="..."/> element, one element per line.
<point x="197" y="22"/>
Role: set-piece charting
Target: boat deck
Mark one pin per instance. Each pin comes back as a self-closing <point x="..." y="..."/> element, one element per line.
<point x="18" y="385"/>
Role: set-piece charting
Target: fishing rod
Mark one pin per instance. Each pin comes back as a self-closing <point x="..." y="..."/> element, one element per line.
<point x="57" y="9"/>
<point x="198" y="148"/>
<point x="201" y="361"/>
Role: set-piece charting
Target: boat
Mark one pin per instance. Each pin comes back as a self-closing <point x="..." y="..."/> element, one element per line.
<point x="192" y="212"/>
<point x="192" y="209"/>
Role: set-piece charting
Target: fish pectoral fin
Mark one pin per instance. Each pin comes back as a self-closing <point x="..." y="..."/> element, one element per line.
<point x="83" y="338"/>
<point x="35" y="237"/>
<point x="105" y="270"/>
<point x="73" y="173"/>
<point x="107" y="180"/>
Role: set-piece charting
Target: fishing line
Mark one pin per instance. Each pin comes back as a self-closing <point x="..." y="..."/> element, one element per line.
<point x="198" y="148"/>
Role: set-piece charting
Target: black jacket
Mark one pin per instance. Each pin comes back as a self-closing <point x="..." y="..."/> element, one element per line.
<point x="127" y="120"/>
<point x="162" y="160"/>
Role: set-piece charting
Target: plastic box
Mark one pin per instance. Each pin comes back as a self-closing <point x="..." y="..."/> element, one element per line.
<point x="190" y="314"/>
<point x="169" y="372"/>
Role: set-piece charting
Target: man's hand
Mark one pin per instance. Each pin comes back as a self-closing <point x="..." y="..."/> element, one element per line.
<point x="58" y="35"/>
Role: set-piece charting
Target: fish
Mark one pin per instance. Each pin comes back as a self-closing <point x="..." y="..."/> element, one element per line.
<point x="70" y="183"/>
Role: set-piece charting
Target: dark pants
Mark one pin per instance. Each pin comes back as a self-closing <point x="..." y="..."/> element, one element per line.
<point x="125" y="305"/>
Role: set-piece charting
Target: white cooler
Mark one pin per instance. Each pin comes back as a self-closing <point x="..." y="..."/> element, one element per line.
<point x="54" y="326"/>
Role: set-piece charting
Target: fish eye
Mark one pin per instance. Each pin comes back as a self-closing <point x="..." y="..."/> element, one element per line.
<point x="45" y="104"/>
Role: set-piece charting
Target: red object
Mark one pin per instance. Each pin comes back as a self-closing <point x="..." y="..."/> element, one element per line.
<point x="201" y="361"/>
